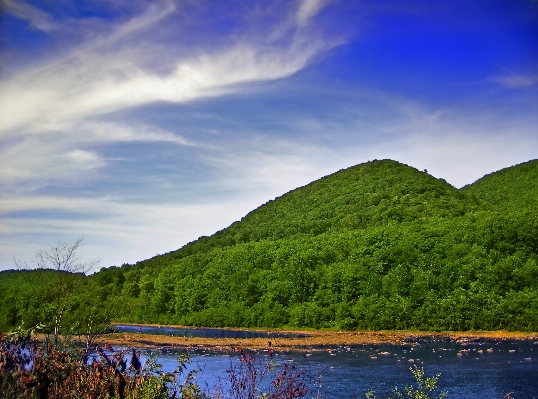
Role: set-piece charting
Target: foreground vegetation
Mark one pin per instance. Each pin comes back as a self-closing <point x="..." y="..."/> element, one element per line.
<point x="51" y="370"/>
<point x="377" y="246"/>
<point x="59" y="369"/>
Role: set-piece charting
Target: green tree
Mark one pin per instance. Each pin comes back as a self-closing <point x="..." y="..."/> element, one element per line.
<point x="51" y="298"/>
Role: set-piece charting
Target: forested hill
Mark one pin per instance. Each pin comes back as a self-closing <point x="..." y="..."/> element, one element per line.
<point x="377" y="246"/>
<point x="364" y="196"/>
<point x="515" y="187"/>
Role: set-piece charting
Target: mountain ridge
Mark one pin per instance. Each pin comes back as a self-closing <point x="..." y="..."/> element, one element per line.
<point x="508" y="187"/>
<point x="384" y="201"/>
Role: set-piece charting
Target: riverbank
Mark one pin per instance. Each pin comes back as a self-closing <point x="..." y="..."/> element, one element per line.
<point x="315" y="338"/>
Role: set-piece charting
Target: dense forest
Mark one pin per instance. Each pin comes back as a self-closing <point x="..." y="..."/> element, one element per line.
<point x="380" y="245"/>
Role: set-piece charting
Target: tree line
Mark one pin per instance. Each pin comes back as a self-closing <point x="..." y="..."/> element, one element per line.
<point x="377" y="246"/>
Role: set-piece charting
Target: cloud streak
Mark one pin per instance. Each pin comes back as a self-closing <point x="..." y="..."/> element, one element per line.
<point x="132" y="232"/>
<point x="107" y="75"/>
<point x="88" y="88"/>
<point x="516" y="81"/>
<point x="309" y="9"/>
<point x="33" y="15"/>
<point x="54" y="111"/>
<point x="61" y="153"/>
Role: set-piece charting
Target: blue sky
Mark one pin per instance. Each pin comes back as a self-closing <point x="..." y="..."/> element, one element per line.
<point x="141" y="125"/>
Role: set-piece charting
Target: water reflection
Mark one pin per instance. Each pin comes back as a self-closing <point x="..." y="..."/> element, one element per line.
<point x="204" y="332"/>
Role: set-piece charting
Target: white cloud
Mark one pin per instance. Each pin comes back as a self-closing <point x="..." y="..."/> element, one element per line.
<point x="113" y="132"/>
<point x="113" y="72"/>
<point x="513" y="80"/>
<point x="83" y="157"/>
<point x="110" y="82"/>
<point x="516" y="81"/>
<point x="114" y="231"/>
<point x="33" y="15"/>
<point x="11" y="203"/>
<point x="51" y="112"/>
<point x="42" y="161"/>
<point x="55" y="153"/>
<point x="154" y="13"/>
<point x="309" y="9"/>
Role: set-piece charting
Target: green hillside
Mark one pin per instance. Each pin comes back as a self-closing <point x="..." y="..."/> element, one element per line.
<point x="33" y="297"/>
<point x="377" y="246"/>
<point x="514" y="187"/>
<point x="364" y="196"/>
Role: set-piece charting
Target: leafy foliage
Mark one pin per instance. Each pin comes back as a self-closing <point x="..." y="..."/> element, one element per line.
<point x="515" y="187"/>
<point x="44" y="372"/>
<point x="248" y="378"/>
<point x="377" y="246"/>
<point x="424" y="388"/>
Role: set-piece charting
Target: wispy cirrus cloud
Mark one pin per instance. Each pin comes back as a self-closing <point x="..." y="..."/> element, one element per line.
<point x="108" y="132"/>
<point x="31" y="163"/>
<point x="35" y="17"/>
<point x="51" y="113"/>
<point x="308" y="9"/>
<point x="516" y="81"/>
<point x="113" y="72"/>
<point x="513" y="80"/>
<point x="112" y="229"/>
<point x="82" y="88"/>
<point x="70" y="151"/>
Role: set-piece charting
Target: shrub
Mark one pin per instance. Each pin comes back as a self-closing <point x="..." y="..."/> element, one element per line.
<point x="425" y="387"/>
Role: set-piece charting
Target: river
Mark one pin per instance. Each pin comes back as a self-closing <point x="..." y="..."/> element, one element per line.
<point x="477" y="369"/>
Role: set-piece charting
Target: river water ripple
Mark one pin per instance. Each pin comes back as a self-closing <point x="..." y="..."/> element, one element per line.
<point x="477" y="369"/>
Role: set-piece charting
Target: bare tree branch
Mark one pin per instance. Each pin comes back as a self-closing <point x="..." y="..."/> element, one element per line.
<point x="63" y="259"/>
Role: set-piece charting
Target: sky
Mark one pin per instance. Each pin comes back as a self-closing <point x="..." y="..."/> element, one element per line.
<point x="142" y="125"/>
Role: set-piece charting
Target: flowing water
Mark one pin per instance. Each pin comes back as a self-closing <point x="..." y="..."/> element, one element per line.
<point x="479" y="369"/>
<point x="203" y="332"/>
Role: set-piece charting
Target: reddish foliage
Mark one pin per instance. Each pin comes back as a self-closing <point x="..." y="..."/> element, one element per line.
<point x="44" y="373"/>
<point x="247" y="380"/>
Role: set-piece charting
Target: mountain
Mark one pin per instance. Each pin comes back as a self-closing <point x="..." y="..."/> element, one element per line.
<point x="380" y="245"/>
<point x="514" y="187"/>
<point x="364" y="196"/>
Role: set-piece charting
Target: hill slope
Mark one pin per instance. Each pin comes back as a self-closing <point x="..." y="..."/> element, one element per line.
<point x="377" y="246"/>
<point x="364" y="196"/>
<point x="513" y="187"/>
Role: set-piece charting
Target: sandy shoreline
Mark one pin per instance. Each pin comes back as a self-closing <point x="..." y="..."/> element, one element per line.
<point x="315" y="338"/>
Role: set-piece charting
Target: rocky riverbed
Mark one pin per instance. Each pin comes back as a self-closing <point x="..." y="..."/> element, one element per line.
<point x="313" y="338"/>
